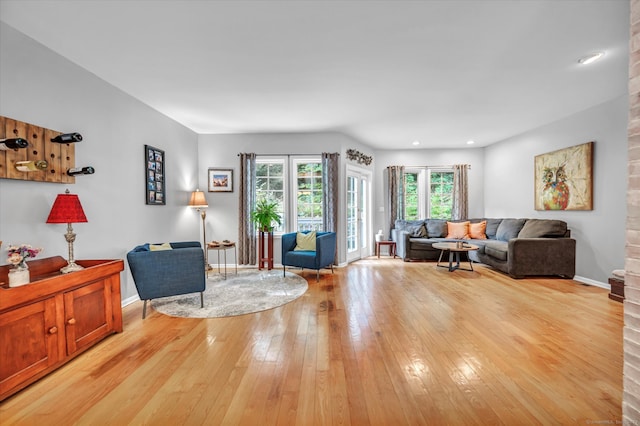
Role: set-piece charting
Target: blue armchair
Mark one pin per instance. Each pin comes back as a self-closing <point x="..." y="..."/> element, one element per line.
<point x="168" y="272"/>
<point x="322" y="257"/>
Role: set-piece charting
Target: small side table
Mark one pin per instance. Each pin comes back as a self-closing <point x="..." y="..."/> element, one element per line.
<point x="224" y="247"/>
<point x="390" y="244"/>
<point x="265" y="250"/>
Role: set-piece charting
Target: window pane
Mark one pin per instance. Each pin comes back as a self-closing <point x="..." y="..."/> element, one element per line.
<point x="270" y="185"/>
<point x="441" y="195"/>
<point x="411" y="196"/>
<point x="309" y="196"/>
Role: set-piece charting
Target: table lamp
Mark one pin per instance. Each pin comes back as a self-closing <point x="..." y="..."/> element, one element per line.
<point x="67" y="209"/>
<point x="199" y="202"/>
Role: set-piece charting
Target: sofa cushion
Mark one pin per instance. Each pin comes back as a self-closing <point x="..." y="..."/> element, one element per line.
<point x="537" y="228"/>
<point x="509" y="228"/>
<point x="497" y="249"/>
<point x="436" y="228"/>
<point x="422" y="244"/>
<point x="492" y="228"/>
<point x="415" y="228"/>
<point x="480" y="243"/>
<point x="458" y="230"/>
<point x="477" y="230"/>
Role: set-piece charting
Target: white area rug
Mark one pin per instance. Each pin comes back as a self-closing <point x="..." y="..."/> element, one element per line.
<point x="249" y="291"/>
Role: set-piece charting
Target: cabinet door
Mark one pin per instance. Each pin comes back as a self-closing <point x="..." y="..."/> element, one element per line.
<point x="28" y="343"/>
<point x="88" y="315"/>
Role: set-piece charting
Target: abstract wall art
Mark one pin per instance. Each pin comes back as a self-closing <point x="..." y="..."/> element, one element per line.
<point x="564" y="179"/>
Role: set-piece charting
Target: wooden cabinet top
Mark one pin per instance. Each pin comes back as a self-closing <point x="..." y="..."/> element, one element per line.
<point x="47" y="280"/>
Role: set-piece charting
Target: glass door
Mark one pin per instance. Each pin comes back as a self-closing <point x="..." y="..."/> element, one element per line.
<point x="358" y="214"/>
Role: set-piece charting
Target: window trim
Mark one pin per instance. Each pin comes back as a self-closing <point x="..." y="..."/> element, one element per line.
<point x="285" y="181"/>
<point x="293" y="167"/>
<point x="289" y="185"/>
<point x="424" y="187"/>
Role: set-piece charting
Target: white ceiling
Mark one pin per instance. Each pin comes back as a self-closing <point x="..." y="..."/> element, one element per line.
<point x="384" y="72"/>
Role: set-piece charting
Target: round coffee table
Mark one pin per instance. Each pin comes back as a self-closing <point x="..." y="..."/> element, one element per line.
<point x="454" y="248"/>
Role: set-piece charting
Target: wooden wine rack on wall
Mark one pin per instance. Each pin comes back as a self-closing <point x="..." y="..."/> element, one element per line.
<point x="59" y="156"/>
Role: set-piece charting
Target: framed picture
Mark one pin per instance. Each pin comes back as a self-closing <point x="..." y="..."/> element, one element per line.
<point x="154" y="175"/>
<point x="564" y="179"/>
<point x="220" y="180"/>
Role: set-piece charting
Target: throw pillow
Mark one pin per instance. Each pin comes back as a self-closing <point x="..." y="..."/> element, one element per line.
<point x="458" y="230"/>
<point x="492" y="227"/>
<point x="436" y="228"/>
<point x="306" y="242"/>
<point x="536" y="228"/>
<point x="160" y="247"/>
<point x="418" y="232"/>
<point x="509" y="228"/>
<point x="477" y="230"/>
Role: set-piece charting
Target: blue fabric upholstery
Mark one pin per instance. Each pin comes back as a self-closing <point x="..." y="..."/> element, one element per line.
<point x="168" y="272"/>
<point x="321" y="258"/>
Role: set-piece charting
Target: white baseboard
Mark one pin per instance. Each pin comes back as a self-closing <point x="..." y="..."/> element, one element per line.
<point x="130" y="300"/>
<point x="589" y="281"/>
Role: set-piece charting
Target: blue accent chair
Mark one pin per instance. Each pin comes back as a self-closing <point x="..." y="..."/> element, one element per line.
<point x="168" y="272"/>
<point x="321" y="258"/>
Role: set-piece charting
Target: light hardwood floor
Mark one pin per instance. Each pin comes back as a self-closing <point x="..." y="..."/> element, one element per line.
<point x="379" y="342"/>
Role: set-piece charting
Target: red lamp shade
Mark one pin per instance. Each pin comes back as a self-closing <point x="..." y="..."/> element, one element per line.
<point x="67" y="209"/>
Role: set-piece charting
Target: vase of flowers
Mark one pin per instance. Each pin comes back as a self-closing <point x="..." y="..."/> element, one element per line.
<point x="17" y="256"/>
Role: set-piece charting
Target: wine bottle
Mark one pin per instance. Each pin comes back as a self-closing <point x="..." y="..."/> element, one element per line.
<point x="8" y="144"/>
<point x="31" y="166"/>
<point x="81" y="171"/>
<point x="67" y="138"/>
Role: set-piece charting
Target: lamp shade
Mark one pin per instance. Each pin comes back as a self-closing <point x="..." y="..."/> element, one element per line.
<point x="197" y="199"/>
<point x="66" y="209"/>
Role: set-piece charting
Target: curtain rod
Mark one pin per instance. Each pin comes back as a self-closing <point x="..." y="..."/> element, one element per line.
<point x="432" y="167"/>
<point x="286" y="155"/>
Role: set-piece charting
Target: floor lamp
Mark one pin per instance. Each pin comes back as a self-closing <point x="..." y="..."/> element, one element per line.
<point x="199" y="202"/>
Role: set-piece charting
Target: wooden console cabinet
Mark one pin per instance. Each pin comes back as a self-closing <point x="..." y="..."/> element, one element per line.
<point x="57" y="316"/>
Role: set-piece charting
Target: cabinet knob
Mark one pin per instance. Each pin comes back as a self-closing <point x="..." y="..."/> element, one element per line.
<point x="53" y="330"/>
<point x="71" y="321"/>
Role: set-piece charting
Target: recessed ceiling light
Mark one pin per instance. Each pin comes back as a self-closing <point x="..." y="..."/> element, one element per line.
<point x="416" y="142"/>
<point x="470" y="142"/>
<point x="589" y="59"/>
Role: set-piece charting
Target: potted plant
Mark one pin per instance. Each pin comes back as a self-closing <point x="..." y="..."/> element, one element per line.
<point x="265" y="214"/>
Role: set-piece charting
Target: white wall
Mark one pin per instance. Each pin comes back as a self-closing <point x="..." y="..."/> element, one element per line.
<point x="222" y="151"/>
<point x="40" y="87"/>
<point x="600" y="233"/>
<point x="427" y="157"/>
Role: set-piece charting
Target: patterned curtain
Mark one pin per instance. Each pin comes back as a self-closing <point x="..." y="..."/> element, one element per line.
<point x="246" y="230"/>
<point x="330" y="170"/>
<point x="460" y="208"/>
<point x="395" y="195"/>
<point x="330" y="185"/>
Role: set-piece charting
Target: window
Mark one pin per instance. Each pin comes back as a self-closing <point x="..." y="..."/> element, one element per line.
<point x="428" y="193"/>
<point x="304" y="189"/>
<point x="270" y="184"/>
<point x="412" y="210"/>
<point x="308" y="190"/>
<point x="440" y="194"/>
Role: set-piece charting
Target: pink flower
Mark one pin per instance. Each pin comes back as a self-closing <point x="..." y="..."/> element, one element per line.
<point x="15" y="258"/>
<point x="18" y="254"/>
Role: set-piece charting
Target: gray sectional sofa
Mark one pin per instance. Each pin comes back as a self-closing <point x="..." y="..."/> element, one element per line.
<point x="518" y="247"/>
